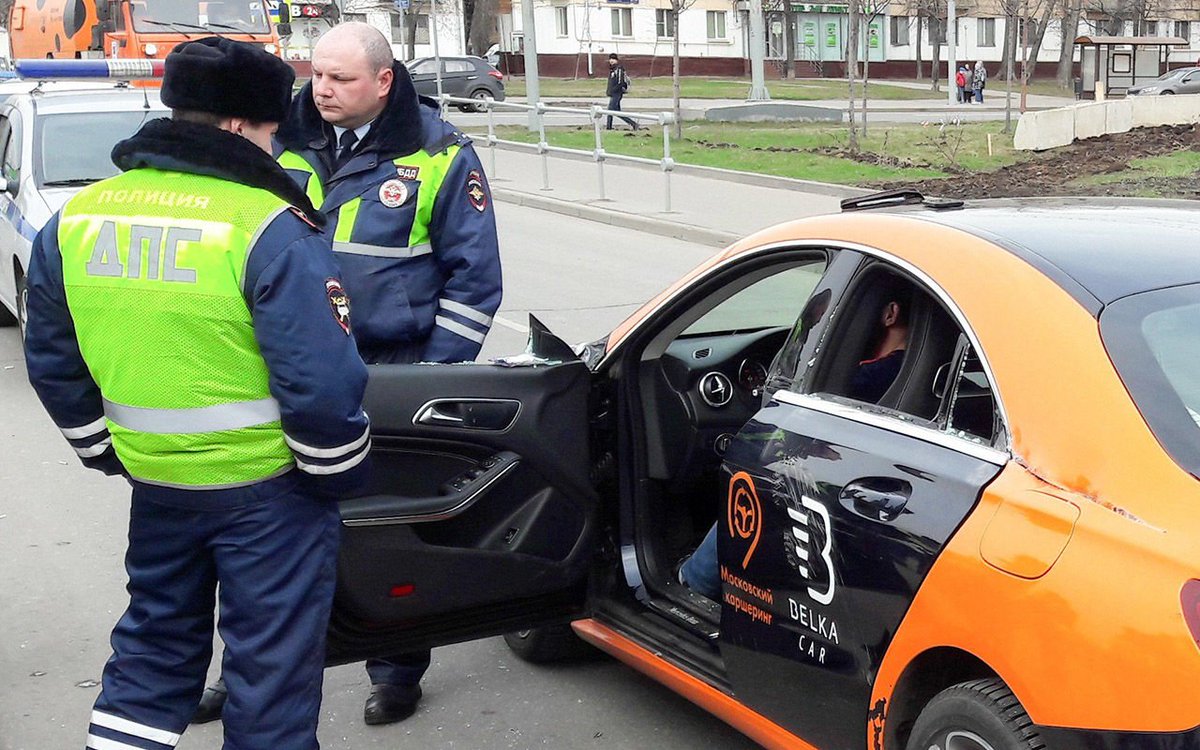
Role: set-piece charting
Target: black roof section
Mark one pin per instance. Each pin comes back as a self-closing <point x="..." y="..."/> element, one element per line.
<point x="1097" y="249"/>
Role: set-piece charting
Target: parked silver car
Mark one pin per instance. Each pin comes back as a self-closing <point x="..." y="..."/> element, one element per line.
<point x="466" y="77"/>
<point x="1178" y="81"/>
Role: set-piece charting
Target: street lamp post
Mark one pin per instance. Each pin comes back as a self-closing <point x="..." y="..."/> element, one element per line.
<point x="532" y="95"/>
<point x="951" y="51"/>
<point x="758" y="87"/>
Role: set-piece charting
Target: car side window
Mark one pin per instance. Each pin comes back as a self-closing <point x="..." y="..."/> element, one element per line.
<point x="458" y="66"/>
<point x="8" y="143"/>
<point x="425" y="68"/>
<point x="895" y="349"/>
<point x="767" y="303"/>
<point x="12" y="150"/>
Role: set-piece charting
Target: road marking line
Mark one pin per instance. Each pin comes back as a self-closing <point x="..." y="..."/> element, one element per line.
<point x="510" y="325"/>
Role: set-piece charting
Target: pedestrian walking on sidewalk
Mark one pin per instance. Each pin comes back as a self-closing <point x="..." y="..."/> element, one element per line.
<point x="618" y="84"/>
<point x="979" y="80"/>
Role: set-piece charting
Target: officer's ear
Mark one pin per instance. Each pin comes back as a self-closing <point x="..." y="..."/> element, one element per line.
<point x="385" y="79"/>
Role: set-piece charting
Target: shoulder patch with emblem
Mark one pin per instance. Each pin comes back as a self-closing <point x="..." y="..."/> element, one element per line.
<point x="477" y="191"/>
<point x="339" y="303"/>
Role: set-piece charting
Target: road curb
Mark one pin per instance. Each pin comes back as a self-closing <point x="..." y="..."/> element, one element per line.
<point x="615" y="217"/>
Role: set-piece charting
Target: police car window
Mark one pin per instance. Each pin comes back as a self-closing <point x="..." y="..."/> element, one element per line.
<point x="12" y="150"/>
<point x="63" y="158"/>
<point x="771" y="302"/>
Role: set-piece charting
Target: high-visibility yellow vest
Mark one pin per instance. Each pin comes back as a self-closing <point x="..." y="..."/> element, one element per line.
<point x="154" y="264"/>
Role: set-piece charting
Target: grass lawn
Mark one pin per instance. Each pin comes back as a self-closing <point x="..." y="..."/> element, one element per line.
<point x="808" y="151"/>
<point x="800" y="89"/>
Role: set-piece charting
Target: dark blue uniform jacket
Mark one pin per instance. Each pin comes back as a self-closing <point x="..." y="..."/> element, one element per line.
<point x="439" y="299"/>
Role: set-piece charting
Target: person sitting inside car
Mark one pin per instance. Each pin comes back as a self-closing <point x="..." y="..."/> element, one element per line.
<point x="872" y="377"/>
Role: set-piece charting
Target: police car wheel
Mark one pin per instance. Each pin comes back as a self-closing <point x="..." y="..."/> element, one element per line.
<point x="975" y="715"/>
<point x="545" y="645"/>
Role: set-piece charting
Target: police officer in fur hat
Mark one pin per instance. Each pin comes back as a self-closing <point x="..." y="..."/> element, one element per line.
<point x="188" y="330"/>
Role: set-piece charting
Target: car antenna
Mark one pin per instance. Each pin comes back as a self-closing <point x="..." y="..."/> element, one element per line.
<point x="894" y="198"/>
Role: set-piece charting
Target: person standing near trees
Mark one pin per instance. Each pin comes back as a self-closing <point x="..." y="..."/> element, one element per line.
<point x="979" y="80"/>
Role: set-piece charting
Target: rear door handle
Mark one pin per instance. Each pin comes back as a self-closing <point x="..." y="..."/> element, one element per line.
<point x="877" y="498"/>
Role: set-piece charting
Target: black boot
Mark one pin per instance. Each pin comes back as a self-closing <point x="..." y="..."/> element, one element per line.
<point x="211" y="703"/>
<point x="391" y="703"/>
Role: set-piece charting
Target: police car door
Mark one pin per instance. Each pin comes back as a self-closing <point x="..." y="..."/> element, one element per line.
<point x="837" y="508"/>
<point x="480" y="515"/>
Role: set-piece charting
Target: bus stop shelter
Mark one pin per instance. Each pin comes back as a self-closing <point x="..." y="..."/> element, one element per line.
<point x="1108" y="65"/>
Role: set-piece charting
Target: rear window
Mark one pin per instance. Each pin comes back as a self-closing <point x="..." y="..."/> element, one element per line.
<point x="1154" y="340"/>
<point x="64" y="159"/>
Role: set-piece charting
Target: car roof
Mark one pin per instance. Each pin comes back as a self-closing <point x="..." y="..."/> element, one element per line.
<point x="1097" y="250"/>
<point x="95" y="99"/>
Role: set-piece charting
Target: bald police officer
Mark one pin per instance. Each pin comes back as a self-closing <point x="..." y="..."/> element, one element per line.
<point x="188" y="329"/>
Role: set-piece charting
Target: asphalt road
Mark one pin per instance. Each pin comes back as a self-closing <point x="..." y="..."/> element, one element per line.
<point x="62" y="539"/>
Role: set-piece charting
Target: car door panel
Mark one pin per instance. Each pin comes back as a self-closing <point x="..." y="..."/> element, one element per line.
<point x="852" y="512"/>
<point x="472" y="524"/>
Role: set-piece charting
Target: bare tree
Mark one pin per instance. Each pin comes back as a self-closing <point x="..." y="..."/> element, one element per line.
<point x="677" y="7"/>
<point x="852" y="70"/>
<point x="1069" y="30"/>
<point x="480" y="33"/>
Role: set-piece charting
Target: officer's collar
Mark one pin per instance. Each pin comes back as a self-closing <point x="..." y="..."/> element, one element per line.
<point x="191" y="147"/>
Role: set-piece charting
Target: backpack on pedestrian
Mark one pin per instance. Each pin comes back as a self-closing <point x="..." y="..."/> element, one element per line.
<point x="625" y="82"/>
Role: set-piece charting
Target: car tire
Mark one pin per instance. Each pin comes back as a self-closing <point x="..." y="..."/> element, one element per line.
<point x="7" y="318"/>
<point x="975" y="715"/>
<point x="1165" y="93"/>
<point x="549" y="644"/>
<point x="480" y="95"/>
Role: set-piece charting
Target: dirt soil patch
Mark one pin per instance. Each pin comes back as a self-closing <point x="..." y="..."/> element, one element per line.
<point x="1052" y="172"/>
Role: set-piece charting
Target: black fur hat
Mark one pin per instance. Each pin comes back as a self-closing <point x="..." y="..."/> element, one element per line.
<point x="228" y="78"/>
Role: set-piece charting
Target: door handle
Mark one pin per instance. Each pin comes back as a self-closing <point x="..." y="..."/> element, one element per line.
<point x="877" y="498"/>
<point x="492" y="414"/>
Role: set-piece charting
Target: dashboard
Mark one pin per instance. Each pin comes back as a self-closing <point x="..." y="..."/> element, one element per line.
<point x="705" y="389"/>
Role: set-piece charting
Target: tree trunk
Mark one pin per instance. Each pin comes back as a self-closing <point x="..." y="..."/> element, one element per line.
<point x="1009" y="34"/>
<point x="865" y="70"/>
<point x="852" y="70"/>
<point x="935" y="72"/>
<point x="1010" y="24"/>
<point x="1032" y="50"/>
<point x="675" y="70"/>
<point x="920" y="74"/>
<point x="410" y="29"/>
<point x="1066" y="58"/>
<point x="789" y="39"/>
<point x="480" y="34"/>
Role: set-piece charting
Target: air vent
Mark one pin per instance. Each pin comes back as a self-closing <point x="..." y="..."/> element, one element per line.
<point x="701" y="353"/>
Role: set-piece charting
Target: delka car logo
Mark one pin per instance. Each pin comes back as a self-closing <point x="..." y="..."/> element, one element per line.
<point x="811" y="547"/>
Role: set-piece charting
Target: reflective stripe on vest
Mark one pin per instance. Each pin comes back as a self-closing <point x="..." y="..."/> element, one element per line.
<point x="293" y="162"/>
<point x="153" y="267"/>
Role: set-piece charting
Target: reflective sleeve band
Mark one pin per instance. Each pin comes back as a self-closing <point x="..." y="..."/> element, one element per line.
<point x="326" y="469"/>
<point x="456" y="327"/>
<point x="234" y="416"/>
<point x="94" y="450"/>
<point x="347" y="215"/>
<point x="380" y="251"/>
<point x="86" y="431"/>
<point x="335" y="452"/>
<point x="469" y="313"/>
<point x="132" y="728"/>
<point x="100" y="743"/>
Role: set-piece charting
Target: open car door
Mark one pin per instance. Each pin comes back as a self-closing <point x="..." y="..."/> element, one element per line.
<point x="480" y="517"/>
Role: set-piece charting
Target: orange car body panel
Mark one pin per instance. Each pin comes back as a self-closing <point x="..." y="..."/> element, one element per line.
<point x="1056" y="609"/>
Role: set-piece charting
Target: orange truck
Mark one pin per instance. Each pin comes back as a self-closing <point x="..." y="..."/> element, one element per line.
<point x="137" y="29"/>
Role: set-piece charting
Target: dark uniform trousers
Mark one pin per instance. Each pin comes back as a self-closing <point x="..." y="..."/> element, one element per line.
<point x="274" y="547"/>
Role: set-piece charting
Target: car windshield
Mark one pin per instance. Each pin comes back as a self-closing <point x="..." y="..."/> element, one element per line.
<point x="64" y="159"/>
<point x="1154" y="339"/>
<point x="768" y="303"/>
<point x="184" y="16"/>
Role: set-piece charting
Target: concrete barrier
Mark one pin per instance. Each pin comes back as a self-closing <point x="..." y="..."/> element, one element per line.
<point x="1049" y="128"/>
<point x="1091" y="119"/>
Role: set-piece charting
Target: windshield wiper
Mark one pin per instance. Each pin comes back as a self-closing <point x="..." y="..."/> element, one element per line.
<point x="226" y="26"/>
<point x="76" y="182"/>
<point x="179" y="26"/>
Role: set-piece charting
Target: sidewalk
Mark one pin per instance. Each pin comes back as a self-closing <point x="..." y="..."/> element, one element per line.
<point x="712" y="207"/>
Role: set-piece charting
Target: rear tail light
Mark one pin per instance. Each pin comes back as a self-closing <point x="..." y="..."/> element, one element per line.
<point x="1189" y="599"/>
<point x="496" y="74"/>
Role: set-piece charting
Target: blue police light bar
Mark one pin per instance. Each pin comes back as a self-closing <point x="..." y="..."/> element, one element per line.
<point x="123" y="70"/>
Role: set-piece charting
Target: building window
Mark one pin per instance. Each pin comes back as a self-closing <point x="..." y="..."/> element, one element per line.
<point x="899" y="31"/>
<point x="985" y="32"/>
<point x="716" y="24"/>
<point x="560" y="21"/>
<point x="1183" y="30"/>
<point x="1145" y="27"/>
<point x="622" y="22"/>
<point x="664" y="24"/>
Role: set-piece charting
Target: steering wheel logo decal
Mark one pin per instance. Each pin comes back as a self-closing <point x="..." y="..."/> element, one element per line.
<point x="744" y="513"/>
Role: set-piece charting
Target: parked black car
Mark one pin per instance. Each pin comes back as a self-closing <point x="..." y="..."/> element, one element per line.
<point x="467" y="77"/>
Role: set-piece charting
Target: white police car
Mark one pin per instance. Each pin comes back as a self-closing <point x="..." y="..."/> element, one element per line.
<point x="55" y="138"/>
